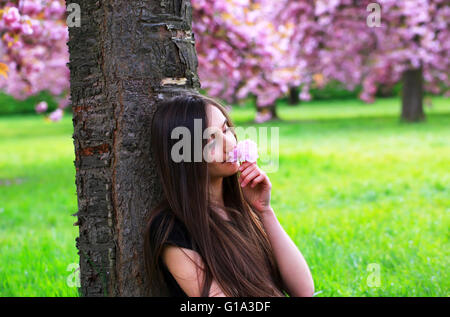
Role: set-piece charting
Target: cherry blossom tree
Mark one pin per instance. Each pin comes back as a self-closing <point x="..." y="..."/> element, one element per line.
<point x="239" y="49"/>
<point x="336" y="42"/>
<point x="242" y="52"/>
<point x="260" y="48"/>
<point x="33" y="50"/>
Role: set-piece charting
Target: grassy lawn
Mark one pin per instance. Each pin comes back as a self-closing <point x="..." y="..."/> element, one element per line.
<point x="356" y="189"/>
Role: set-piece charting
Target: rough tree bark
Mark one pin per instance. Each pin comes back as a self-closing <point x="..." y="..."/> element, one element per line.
<point x="412" y="99"/>
<point x="125" y="58"/>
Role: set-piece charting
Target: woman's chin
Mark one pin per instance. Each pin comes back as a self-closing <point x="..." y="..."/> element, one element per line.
<point x="223" y="169"/>
<point x="230" y="167"/>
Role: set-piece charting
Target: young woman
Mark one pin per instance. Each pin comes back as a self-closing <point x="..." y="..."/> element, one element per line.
<point x="214" y="233"/>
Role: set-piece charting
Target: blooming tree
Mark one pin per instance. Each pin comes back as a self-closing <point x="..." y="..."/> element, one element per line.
<point x="256" y="47"/>
<point x="335" y="41"/>
<point x="241" y="51"/>
<point x="33" y="50"/>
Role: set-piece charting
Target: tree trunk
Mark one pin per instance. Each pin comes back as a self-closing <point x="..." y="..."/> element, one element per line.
<point x="412" y="99"/>
<point x="124" y="59"/>
<point x="293" y="96"/>
<point x="265" y="114"/>
<point x="385" y="91"/>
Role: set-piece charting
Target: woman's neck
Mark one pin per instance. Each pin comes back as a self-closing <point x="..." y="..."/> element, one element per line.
<point x="216" y="190"/>
<point x="216" y="196"/>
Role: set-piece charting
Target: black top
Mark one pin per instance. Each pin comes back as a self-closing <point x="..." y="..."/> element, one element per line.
<point x="178" y="236"/>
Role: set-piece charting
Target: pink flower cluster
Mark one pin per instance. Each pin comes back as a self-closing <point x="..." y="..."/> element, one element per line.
<point x="262" y="46"/>
<point x="33" y="46"/>
<point x="332" y="38"/>
<point x="238" y="38"/>
<point x="266" y="46"/>
<point x="245" y="150"/>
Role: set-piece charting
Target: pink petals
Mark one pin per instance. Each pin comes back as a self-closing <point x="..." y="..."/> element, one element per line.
<point x="41" y="107"/>
<point x="246" y="150"/>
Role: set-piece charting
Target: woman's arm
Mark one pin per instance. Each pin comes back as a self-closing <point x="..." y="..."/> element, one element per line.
<point x="186" y="266"/>
<point x="256" y="187"/>
<point x="294" y="271"/>
<point x="292" y="266"/>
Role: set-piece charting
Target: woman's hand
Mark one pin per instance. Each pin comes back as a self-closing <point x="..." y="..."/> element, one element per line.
<point x="256" y="186"/>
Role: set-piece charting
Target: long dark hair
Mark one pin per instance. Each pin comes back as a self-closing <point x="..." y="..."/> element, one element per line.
<point x="237" y="254"/>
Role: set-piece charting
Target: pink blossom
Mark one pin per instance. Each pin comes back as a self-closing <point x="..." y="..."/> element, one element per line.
<point x="246" y="150"/>
<point x="41" y="107"/>
<point x="55" y="10"/>
<point x="56" y="115"/>
<point x="304" y="94"/>
<point x="262" y="117"/>
<point x="27" y="29"/>
<point x="30" y="6"/>
<point x="12" y="15"/>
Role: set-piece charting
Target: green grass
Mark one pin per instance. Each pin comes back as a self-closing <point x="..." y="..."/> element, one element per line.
<point x="11" y="106"/>
<point x="354" y="186"/>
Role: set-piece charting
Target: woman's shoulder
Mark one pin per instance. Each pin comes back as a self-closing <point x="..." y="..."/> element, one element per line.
<point x="163" y="218"/>
<point x="178" y="234"/>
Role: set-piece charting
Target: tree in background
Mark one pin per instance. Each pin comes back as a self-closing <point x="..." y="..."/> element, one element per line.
<point x="261" y="48"/>
<point x="242" y="53"/>
<point x="410" y="44"/>
<point x="33" y="50"/>
<point x="236" y="40"/>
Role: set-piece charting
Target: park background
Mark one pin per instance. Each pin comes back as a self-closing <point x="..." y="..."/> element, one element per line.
<point x="362" y="186"/>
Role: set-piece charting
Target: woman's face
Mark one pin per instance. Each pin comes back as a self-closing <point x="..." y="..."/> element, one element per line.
<point x="219" y="144"/>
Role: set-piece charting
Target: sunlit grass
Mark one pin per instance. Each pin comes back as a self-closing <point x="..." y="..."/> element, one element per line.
<point x="354" y="187"/>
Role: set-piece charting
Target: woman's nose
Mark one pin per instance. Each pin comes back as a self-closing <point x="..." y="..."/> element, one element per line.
<point x="229" y="143"/>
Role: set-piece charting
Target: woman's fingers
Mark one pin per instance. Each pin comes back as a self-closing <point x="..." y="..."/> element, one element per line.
<point x="258" y="180"/>
<point x="250" y="176"/>
<point x="247" y="169"/>
<point x="244" y="165"/>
